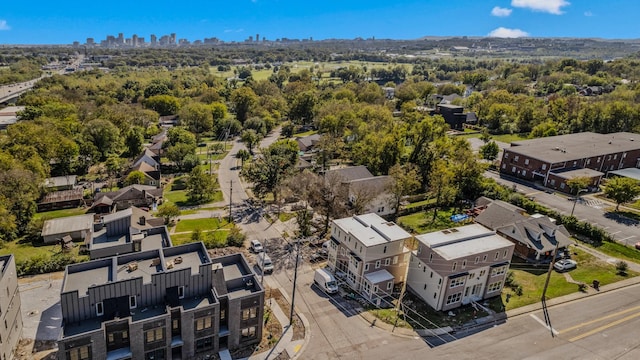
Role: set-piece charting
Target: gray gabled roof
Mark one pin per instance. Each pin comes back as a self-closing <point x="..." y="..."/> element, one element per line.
<point x="538" y="233"/>
<point x="498" y="214"/>
<point x="352" y="173"/>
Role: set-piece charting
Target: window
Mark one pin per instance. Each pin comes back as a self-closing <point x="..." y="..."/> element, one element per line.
<point x="516" y="158"/>
<point x="366" y="267"/>
<point x="132" y="302"/>
<point x="588" y="161"/>
<point x="526" y="161"/>
<point x="154" y="335"/>
<point x="498" y="271"/>
<point x="384" y="250"/>
<point x="424" y="269"/>
<point x="494" y="286"/>
<point x="377" y="264"/>
<point x="454" y="298"/>
<point x="482" y="272"/>
<point x="157" y="354"/>
<point x="249" y="332"/>
<point x="435" y="295"/>
<point x="389" y="285"/>
<point x="204" y="343"/>
<point x="425" y="286"/>
<point x="553" y="181"/>
<point x="524" y="172"/>
<point x="506" y="155"/>
<point x="598" y="158"/>
<point x="175" y="324"/>
<point x="387" y="261"/>
<point x="79" y="353"/>
<point x="484" y="258"/>
<point x="456" y="282"/>
<point x="497" y="254"/>
<point x="431" y="257"/>
<point x="472" y="275"/>
<point x="544" y="166"/>
<point x="476" y="260"/>
<point x="205" y="322"/>
<point x="506" y="252"/>
<point x="180" y="292"/>
<point x="223" y="314"/>
<point x="455" y="265"/>
<point x="464" y="263"/>
<point x="575" y="163"/>
<point x="562" y="186"/>
<point x="513" y="169"/>
<point x="99" y="309"/>
<point x="395" y="260"/>
<point x="431" y="276"/>
<point x="375" y="289"/>
<point x="504" y="166"/>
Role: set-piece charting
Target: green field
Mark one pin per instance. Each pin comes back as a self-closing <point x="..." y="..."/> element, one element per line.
<point x="422" y="222"/>
<point x="59" y="213"/>
<point x="532" y="279"/>
<point x="23" y="251"/>
<point x="202" y="224"/>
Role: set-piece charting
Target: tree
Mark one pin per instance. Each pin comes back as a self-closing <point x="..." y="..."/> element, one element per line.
<point x="180" y="152"/>
<point x="105" y="136"/>
<point x="197" y="117"/>
<point x="621" y="190"/>
<point x="329" y="198"/>
<point x="133" y="141"/>
<point x="441" y="185"/>
<point x="200" y="186"/>
<point x="302" y="108"/>
<point x="243" y="155"/>
<point x="163" y="104"/>
<point x="135" y="177"/>
<point x="404" y="181"/>
<point x="269" y="171"/>
<point x="243" y="100"/>
<point x="489" y="151"/>
<point x="178" y="134"/>
<point x="250" y="138"/>
<point x="578" y="183"/>
<point x="168" y="211"/>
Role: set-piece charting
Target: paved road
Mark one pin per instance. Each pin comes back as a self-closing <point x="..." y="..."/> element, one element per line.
<point x="592" y="210"/>
<point x="603" y="326"/>
<point x="336" y="331"/>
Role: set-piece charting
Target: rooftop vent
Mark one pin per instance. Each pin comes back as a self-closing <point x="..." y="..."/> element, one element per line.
<point x="170" y="264"/>
<point x="178" y="260"/>
<point x="132" y="266"/>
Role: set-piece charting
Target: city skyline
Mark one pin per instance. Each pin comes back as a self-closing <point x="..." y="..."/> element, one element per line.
<point x="51" y="23"/>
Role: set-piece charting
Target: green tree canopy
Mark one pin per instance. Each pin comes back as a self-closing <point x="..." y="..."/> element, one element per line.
<point x="621" y="190"/>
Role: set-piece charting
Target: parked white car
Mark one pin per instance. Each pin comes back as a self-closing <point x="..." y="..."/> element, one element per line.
<point x="256" y="246"/>
<point x="565" y="265"/>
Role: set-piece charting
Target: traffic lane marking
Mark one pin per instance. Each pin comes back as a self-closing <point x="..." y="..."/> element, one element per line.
<point x="604" y="327"/>
<point x="587" y="323"/>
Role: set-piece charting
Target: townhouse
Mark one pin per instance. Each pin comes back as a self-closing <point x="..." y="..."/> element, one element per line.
<point x="458" y="266"/>
<point x="371" y="254"/>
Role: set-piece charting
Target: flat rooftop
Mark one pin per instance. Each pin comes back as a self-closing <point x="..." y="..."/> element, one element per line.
<point x="628" y="172"/>
<point x="142" y="264"/>
<point x="573" y="173"/>
<point x="371" y="229"/>
<point x="555" y="149"/>
<point x="463" y="241"/>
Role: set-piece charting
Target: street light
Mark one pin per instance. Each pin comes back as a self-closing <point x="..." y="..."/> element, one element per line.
<point x="576" y="199"/>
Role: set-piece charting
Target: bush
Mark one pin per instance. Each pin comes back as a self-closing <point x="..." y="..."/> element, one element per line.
<point x="622" y="267"/>
<point x="235" y="238"/>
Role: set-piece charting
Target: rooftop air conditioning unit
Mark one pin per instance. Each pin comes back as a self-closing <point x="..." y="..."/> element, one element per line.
<point x="133" y="266"/>
<point x="178" y="260"/>
<point x="170" y="264"/>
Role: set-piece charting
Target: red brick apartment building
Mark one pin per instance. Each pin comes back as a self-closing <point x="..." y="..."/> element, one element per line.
<point x="556" y="159"/>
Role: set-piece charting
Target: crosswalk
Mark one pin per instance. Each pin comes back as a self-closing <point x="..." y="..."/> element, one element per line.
<point x="594" y="203"/>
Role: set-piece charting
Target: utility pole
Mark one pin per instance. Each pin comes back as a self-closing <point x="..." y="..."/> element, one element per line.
<point x="230" y="196"/>
<point x="295" y="278"/>
<point x="545" y="311"/>
<point x="577" y="199"/>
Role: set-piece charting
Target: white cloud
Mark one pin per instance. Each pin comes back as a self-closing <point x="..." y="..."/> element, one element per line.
<point x="502" y="32"/>
<point x="549" y="6"/>
<point x="233" y="30"/>
<point x="588" y="13"/>
<point x="4" y="25"/>
<point x="501" y="12"/>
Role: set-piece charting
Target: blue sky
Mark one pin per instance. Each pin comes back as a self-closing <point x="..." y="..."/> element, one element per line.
<point x="52" y="22"/>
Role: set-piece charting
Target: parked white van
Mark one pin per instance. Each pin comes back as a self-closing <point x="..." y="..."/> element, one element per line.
<point x="325" y="281"/>
<point x="264" y="263"/>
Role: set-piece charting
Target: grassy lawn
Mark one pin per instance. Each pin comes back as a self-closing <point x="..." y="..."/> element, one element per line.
<point x="180" y="239"/>
<point x="619" y="251"/>
<point x="179" y="197"/>
<point x="532" y="279"/>
<point x="420" y="203"/>
<point x="25" y="251"/>
<point x="202" y="224"/>
<point x="422" y="222"/>
<point x="306" y="133"/>
<point x="59" y="213"/>
<point x="286" y="216"/>
<point x="506" y="138"/>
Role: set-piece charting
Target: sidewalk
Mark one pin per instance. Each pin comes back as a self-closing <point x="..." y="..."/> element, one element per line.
<point x="285" y="343"/>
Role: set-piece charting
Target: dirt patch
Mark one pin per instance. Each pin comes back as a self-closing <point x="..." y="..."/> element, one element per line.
<point x="58" y="275"/>
<point x="27" y="349"/>
<point x="298" y="326"/>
